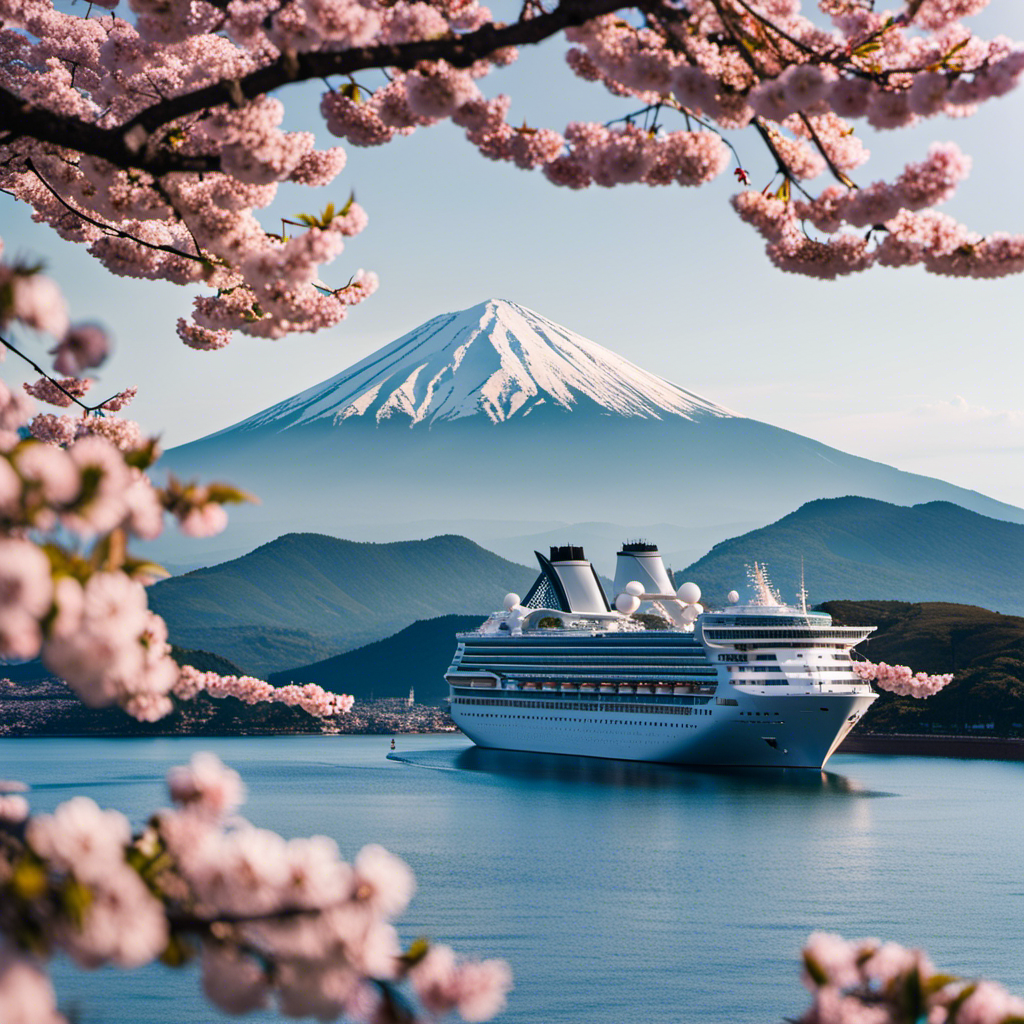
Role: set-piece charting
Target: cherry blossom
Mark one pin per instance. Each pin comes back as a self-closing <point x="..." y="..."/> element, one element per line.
<point x="870" y="982"/>
<point x="901" y="680"/>
<point x="273" y="920"/>
<point x="181" y="146"/>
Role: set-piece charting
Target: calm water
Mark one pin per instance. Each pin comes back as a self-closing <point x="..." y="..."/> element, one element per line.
<point x="619" y="892"/>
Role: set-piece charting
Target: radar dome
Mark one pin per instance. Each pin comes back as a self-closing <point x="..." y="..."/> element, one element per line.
<point x="511" y="601"/>
<point x="732" y="597"/>
<point x="627" y="603"/>
<point x="688" y="593"/>
<point x="635" y="588"/>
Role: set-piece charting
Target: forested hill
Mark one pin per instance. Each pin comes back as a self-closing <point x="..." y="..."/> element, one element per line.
<point x="857" y="548"/>
<point x="305" y="596"/>
<point x="984" y="649"/>
<point x="416" y="658"/>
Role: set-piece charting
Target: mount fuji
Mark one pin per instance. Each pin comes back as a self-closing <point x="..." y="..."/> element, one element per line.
<point x="495" y="421"/>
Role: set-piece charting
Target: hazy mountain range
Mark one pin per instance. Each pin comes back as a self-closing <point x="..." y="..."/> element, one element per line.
<point x="415" y="658"/>
<point x="496" y="415"/>
<point x="306" y="596"/>
<point x="857" y="549"/>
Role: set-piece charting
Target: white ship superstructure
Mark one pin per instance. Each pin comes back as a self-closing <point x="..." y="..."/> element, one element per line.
<point x="563" y="671"/>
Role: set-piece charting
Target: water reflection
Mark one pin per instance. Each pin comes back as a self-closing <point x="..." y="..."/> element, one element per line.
<point x="595" y="771"/>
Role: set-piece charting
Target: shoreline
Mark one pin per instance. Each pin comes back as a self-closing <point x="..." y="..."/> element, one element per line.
<point x="992" y="748"/>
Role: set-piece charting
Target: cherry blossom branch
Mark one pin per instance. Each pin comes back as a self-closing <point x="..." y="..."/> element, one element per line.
<point x="826" y="156"/>
<point x="109" y="228"/>
<point x="757" y="16"/>
<point x="126" y="145"/>
<point x="56" y="383"/>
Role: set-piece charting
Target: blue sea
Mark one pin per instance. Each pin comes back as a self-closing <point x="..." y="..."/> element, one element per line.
<point x="619" y="892"/>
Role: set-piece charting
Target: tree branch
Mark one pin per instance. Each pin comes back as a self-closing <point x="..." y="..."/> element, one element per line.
<point x="56" y="383"/>
<point x="125" y="145"/>
<point x="110" y="229"/>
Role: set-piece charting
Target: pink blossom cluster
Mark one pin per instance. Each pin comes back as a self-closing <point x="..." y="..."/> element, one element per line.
<point x="270" y="920"/>
<point x="311" y="698"/>
<point x="803" y="86"/>
<point x="901" y="680"/>
<point x="82" y="481"/>
<point x="712" y="67"/>
<point x="872" y="982"/>
<point x="199" y="224"/>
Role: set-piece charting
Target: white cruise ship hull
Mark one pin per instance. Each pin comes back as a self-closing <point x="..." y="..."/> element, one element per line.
<point x="783" y="732"/>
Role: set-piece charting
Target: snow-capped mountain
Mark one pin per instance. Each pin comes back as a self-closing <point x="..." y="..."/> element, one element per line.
<point x="494" y="422"/>
<point x="497" y="359"/>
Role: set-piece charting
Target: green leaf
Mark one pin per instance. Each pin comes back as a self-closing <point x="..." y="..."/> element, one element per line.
<point x="225" y="494"/>
<point x="937" y="982"/>
<point x="145" y="455"/>
<point x="865" y="48"/>
<point x="416" y="952"/>
<point x="76" y="899"/>
<point x="954" y="1007"/>
<point x="351" y="91"/>
<point x="135" y="567"/>
<point x="178" y="952"/>
<point x="815" y="970"/>
<point x="28" y="879"/>
<point x="912" y="996"/>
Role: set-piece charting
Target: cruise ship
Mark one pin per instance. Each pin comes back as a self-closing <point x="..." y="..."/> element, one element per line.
<point x="653" y="676"/>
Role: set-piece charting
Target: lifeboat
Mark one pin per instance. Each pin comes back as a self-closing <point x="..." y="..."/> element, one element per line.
<point x="607" y="687"/>
<point x="627" y="688"/>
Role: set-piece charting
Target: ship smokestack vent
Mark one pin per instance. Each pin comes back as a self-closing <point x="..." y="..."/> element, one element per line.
<point x="567" y="583"/>
<point x="641" y="562"/>
<point x="567" y="553"/>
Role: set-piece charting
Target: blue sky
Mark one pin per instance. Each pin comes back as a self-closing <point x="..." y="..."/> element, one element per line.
<point x="920" y="372"/>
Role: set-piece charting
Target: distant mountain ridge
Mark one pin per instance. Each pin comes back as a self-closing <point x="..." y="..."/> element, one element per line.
<point x="857" y="549"/>
<point x="303" y="597"/>
<point x="414" y="658"/>
<point x="498" y="414"/>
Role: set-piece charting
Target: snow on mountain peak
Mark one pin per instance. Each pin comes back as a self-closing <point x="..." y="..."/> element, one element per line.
<point x="497" y="359"/>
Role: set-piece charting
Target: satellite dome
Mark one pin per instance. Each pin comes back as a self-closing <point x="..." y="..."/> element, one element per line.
<point x="627" y="603"/>
<point x="635" y="588"/>
<point x="688" y="593"/>
<point x="732" y="597"/>
<point x="511" y="601"/>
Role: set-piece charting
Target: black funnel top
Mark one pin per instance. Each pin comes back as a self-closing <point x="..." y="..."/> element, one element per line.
<point x="567" y="553"/>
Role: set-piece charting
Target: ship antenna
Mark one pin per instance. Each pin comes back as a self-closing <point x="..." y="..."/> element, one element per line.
<point x="803" y="591"/>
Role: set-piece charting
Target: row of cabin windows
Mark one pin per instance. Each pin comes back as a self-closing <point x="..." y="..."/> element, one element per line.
<point x="587" y="721"/>
<point x="559" y="705"/>
<point x="775" y="634"/>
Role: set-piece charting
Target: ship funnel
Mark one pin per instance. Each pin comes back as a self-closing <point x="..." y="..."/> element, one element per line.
<point x="567" y="581"/>
<point x="642" y="562"/>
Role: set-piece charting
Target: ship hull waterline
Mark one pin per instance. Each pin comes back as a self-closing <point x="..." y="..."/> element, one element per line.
<point x="775" y="732"/>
